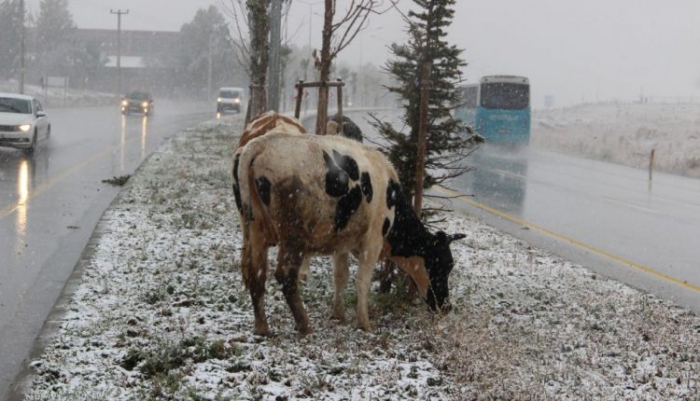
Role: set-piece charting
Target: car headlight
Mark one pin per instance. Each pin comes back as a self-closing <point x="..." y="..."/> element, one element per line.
<point x="218" y="99"/>
<point x="125" y="103"/>
<point x="25" y="127"/>
<point x="144" y="104"/>
<point x="237" y="101"/>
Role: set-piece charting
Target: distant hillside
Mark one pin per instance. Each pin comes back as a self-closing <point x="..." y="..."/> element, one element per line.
<point x="625" y="134"/>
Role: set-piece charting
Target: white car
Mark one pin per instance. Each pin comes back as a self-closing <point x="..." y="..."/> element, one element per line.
<point x="23" y="122"/>
<point x="230" y="98"/>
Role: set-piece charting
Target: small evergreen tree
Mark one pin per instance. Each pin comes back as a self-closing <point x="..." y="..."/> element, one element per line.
<point x="446" y="148"/>
<point x="55" y="41"/>
<point x="55" y="23"/>
<point x="207" y="35"/>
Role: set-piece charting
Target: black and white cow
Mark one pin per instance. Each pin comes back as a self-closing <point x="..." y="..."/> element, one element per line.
<point x="328" y="195"/>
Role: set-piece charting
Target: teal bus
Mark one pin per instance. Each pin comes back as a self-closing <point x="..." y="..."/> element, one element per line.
<point x="497" y="108"/>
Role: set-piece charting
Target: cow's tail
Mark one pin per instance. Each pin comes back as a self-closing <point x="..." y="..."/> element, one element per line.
<point x="252" y="206"/>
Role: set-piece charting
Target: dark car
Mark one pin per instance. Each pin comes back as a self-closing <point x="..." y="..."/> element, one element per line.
<point x="138" y="102"/>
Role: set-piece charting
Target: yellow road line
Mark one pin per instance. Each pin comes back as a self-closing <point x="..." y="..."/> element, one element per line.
<point x="572" y="241"/>
<point x="46" y="185"/>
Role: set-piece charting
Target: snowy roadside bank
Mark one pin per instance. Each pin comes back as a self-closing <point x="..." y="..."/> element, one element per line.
<point x="625" y="133"/>
<point x="161" y="313"/>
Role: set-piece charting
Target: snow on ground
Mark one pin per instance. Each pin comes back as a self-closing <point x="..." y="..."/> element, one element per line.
<point x="161" y="313"/>
<point x="625" y="133"/>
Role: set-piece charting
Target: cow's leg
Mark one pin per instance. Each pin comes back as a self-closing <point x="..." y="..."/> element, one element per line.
<point x="245" y="256"/>
<point x="254" y="265"/>
<point x="340" y="281"/>
<point x="287" y="274"/>
<point x="304" y="270"/>
<point x="367" y="261"/>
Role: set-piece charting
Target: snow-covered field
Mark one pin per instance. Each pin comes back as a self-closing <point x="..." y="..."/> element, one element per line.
<point x="161" y="313"/>
<point x="625" y="133"/>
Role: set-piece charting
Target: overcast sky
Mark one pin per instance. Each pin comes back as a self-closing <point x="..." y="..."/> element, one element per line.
<point x="572" y="49"/>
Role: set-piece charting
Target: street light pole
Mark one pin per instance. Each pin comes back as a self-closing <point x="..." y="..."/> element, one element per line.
<point x="311" y="26"/>
<point x="119" y="14"/>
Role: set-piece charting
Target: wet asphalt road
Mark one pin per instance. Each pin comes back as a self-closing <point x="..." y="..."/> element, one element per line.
<point x="607" y="217"/>
<point x="50" y="202"/>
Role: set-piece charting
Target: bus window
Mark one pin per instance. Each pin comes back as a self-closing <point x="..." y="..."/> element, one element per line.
<point x="505" y="96"/>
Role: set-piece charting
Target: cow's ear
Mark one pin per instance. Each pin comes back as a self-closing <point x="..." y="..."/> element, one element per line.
<point x="455" y="237"/>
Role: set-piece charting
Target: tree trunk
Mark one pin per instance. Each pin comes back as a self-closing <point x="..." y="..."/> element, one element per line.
<point x="259" y="57"/>
<point x="322" y="113"/>
<point x="426" y="68"/>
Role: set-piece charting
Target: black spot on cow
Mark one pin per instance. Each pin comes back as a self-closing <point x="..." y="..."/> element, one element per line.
<point x="236" y="189"/>
<point x="348" y="164"/>
<point x="236" y="161"/>
<point x="347" y="206"/>
<point x="366" y="185"/>
<point x="237" y="195"/>
<point x="336" y="179"/>
<point x="385" y="227"/>
<point x="393" y="190"/>
<point x="263" y="185"/>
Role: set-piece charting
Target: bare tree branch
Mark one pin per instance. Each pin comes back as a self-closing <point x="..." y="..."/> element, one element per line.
<point x="236" y="11"/>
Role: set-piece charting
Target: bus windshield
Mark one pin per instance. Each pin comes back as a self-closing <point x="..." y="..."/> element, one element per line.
<point x="505" y="96"/>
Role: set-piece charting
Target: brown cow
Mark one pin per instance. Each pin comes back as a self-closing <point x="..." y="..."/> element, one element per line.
<point x="265" y="122"/>
<point x="259" y="126"/>
<point x="328" y="195"/>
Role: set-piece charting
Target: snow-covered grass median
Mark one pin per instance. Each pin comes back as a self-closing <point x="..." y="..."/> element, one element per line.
<point x="161" y="313"/>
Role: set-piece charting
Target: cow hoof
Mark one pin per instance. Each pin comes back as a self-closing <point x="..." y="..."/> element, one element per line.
<point x="340" y="317"/>
<point x="304" y="331"/>
<point x="340" y="320"/>
<point x="364" y="328"/>
<point x="262" y="330"/>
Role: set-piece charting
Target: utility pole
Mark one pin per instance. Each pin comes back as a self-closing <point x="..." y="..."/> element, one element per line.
<point x="273" y="99"/>
<point x="22" y="68"/>
<point x="119" y="14"/>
